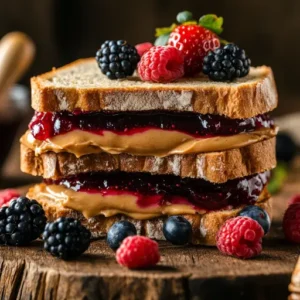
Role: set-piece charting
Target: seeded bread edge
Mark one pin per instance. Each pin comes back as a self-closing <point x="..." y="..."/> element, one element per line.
<point x="216" y="167"/>
<point x="242" y="100"/>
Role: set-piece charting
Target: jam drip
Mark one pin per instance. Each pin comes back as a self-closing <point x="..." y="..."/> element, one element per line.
<point x="168" y="189"/>
<point x="47" y="124"/>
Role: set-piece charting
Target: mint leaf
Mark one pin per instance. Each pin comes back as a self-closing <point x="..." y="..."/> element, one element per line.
<point x="212" y="22"/>
<point x="164" y="30"/>
<point x="279" y="175"/>
<point x="162" y="40"/>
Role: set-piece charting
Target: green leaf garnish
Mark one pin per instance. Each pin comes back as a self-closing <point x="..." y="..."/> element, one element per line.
<point x="184" y="16"/>
<point x="212" y="22"/>
<point x="162" y="40"/>
<point x="190" y="23"/>
<point x="279" y="175"/>
<point x="164" y="30"/>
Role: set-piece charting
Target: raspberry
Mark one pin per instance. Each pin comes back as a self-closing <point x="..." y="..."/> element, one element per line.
<point x="240" y="237"/>
<point x="161" y="64"/>
<point x="7" y="195"/>
<point x="195" y="42"/>
<point x="294" y="199"/>
<point x="143" y="48"/>
<point x="291" y="223"/>
<point x="138" y="252"/>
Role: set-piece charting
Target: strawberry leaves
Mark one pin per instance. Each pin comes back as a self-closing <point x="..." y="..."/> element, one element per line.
<point x="162" y="40"/>
<point x="165" y="30"/>
<point x="162" y="34"/>
<point x="212" y="22"/>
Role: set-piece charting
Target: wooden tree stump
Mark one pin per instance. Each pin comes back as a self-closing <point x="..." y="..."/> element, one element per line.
<point x="183" y="273"/>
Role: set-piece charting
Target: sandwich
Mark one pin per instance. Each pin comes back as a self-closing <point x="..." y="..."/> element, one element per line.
<point x="112" y="147"/>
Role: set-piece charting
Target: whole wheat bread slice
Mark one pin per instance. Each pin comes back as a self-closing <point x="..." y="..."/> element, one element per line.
<point x="214" y="166"/>
<point x="205" y="227"/>
<point x="81" y="85"/>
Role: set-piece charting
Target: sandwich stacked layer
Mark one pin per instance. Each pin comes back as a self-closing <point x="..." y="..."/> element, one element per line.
<point x="128" y="149"/>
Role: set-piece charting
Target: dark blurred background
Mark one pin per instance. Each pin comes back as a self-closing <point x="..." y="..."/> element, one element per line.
<point x="65" y="30"/>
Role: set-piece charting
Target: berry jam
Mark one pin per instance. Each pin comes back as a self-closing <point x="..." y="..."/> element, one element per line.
<point x="168" y="189"/>
<point x="47" y="124"/>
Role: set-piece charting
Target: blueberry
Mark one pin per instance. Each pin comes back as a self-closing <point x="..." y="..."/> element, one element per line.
<point x="286" y="148"/>
<point x="118" y="232"/>
<point x="258" y="214"/>
<point x="184" y="16"/>
<point x="177" y="230"/>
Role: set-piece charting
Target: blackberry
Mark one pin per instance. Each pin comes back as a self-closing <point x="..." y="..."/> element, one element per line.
<point x="117" y="59"/>
<point x="226" y="63"/>
<point x="21" y="222"/>
<point x="66" y="238"/>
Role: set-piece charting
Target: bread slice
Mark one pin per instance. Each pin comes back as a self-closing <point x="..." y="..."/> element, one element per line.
<point x="214" y="166"/>
<point x="205" y="227"/>
<point x="81" y="85"/>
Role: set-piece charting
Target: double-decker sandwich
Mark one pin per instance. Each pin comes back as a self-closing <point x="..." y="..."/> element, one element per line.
<point x="164" y="142"/>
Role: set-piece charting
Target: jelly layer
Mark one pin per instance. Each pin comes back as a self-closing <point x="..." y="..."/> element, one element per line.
<point x="142" y="195"/>
<point x="45" y="125"/>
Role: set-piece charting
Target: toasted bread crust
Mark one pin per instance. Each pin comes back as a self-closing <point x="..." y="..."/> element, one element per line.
<point x="215" y="166"/>
<point x="244" y="98"/>
<point x="205" y="227"/>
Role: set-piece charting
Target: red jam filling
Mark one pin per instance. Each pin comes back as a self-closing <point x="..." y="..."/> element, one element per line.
<point x="168" y="189"/>
<point x="45" y="125"/>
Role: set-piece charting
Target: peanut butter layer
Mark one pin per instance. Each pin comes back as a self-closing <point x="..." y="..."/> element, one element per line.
<point x="94" y="204"/>
<point x="153" y="142"/>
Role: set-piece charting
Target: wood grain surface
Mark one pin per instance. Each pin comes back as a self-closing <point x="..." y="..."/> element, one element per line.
<point x="183" y="273"/>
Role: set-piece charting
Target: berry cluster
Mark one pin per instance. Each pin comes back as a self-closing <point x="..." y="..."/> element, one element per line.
<point x="183" y="49"/>
<point x="242" y="236"/>
<point x="194" y="41"/>
<point x="21" y="222"/>
<point x="134" y="251"/>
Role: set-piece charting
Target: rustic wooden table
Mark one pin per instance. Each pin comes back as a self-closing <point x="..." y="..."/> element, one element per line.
<point x="183" y="273"/>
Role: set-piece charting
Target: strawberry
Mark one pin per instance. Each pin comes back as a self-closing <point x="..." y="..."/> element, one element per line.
<point x="195" y="42"/>
<point x="194" y="38"/>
